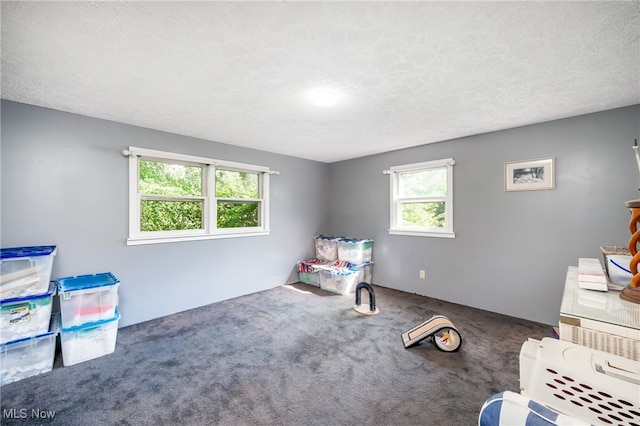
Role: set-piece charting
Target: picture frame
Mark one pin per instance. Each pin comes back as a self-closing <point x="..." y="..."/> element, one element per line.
<point x="530" y="175"/>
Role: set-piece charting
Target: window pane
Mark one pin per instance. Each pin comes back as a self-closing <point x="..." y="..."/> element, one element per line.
<point x="426" y="183"/>
<point x="429" y="215"/>
<point x="237" y="215"/>
<point x="171" y="215"/>
<point x="170" y="179"/>
<point x="232" y="184"/>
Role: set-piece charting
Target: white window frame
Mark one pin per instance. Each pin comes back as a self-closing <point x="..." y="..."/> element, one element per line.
<point x="210" y="231"/>
<point x="396" y="227"/>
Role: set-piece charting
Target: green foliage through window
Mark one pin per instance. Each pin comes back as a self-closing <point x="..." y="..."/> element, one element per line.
<point x="237" y="215"/>
<point x="170" y="179"/>
<point x="234" y="189"/>
<point x="422" y="199"/>
<point x="159" y="181"/>
<point x="172" y="197"/>
<point x="234" y="184"/>
<point x="429" y="215"/>
<point x="424" y="183"/>
<point x="170" y="215"/>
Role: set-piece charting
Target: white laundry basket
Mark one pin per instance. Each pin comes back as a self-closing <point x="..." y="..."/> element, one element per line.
<point x="582" y="382"/>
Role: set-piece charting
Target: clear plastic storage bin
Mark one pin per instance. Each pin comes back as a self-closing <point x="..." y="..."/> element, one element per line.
<point x="342" y="281"/>
<point x="365" y="272"/>
<point x="89" y="341"/>
<point x="312" y="278"/>
<point x="355" y="251"/>
<point x="308" y="271"/>
<point x="326" y="248"/>
<point x="28" y="357"/>
<point x="87" y="298"/>
<point x="25" y="270"/>
<point x="27" y="316"/>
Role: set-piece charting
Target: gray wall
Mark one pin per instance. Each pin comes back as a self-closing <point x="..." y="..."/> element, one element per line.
<point x="65" y="182"/>
<point x="512" y="249"/>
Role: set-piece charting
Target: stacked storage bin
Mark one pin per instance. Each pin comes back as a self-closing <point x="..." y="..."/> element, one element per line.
<point x="28" y="329"/>
<point x="340" y="264"/>
<point x="359" y="254"/>
<point x="89" y="316"/>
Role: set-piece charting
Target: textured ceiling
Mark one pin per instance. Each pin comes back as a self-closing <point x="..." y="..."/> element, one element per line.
<point x="238" y="72"/>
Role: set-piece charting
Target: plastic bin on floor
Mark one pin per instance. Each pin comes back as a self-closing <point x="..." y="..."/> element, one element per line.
<point x="25" y="270"/>
<point x="308" y="271"/>
<point x="28" y="316"/>
<point x="355" y="251"/>
<point x="312" y="278"/>
<point x="339" y="280"/>
<point x="87" y="298"/>
<point x="326" y="247"/>
<point x="365" y="272"/>
<point x="28" y="357"/>
<point x="89" y="341"/>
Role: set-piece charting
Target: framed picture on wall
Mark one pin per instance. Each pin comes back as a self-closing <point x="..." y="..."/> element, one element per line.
<point x="529" y="175"/>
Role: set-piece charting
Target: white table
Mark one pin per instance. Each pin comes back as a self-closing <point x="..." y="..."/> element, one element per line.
<point x="599" y="320"/>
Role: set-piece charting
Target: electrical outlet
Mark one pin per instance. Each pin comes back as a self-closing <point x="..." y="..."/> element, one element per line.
<point x="423" y="274"/>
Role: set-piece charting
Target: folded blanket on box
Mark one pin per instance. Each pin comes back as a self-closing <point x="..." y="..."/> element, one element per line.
<point x="312" y="265"/>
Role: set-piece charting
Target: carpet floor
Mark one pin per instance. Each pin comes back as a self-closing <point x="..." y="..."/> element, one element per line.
<point x="292" y="355"/>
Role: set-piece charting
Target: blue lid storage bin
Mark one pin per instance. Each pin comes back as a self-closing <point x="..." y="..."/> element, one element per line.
<point x="25" y="270"/>
<point x="355" y="251"/>
<point x="28" y="357"/>
<point x="87" y="298"/>
<point x="27" y="316"/>
<point x="89" y="341"/>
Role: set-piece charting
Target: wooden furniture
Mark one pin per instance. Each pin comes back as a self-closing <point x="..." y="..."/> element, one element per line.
<point x="599" y="320"/>
<point x="632" y="292"/>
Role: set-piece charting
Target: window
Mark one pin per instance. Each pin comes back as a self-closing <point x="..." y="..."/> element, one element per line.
<point x="174" y="197"/>
<point x="422" y="199"/>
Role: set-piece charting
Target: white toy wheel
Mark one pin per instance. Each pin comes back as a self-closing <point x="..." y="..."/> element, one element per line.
<point x="447" y="339"/>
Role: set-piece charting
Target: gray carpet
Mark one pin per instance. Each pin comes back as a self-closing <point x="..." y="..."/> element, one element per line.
<point x="293" y="355"/>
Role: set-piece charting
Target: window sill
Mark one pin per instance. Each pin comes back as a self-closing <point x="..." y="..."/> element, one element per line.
<point x="443" y="234"/>
<point x="136" y="241"/>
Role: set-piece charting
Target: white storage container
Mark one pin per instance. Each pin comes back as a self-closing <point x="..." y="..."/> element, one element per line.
<point x="355" y="251"/>
<point x="365" y="272"/>
<point x="597" y="387"/>
<point x="28" y="316"/>
<point x="28" y="357"/>
<point x="25" y="270"/>
<point x="308" y="271"/>
<point x="326" y="248"/>
<point x="342" y="281"/>
<point x="312" y="278"/>
<point x="89" y="341"/>
<point x="87" y="298"/>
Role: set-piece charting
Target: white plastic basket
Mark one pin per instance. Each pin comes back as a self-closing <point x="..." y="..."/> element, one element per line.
<point x="585" y="383"/>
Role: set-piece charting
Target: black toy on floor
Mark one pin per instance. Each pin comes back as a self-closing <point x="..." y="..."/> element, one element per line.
<point x="373" y="310"/>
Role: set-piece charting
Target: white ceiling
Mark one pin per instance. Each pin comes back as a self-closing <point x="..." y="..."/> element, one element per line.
<point x="238" y="72"/>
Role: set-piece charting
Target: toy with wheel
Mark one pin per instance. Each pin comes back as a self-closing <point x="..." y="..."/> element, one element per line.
<point x="444" y="335"/>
